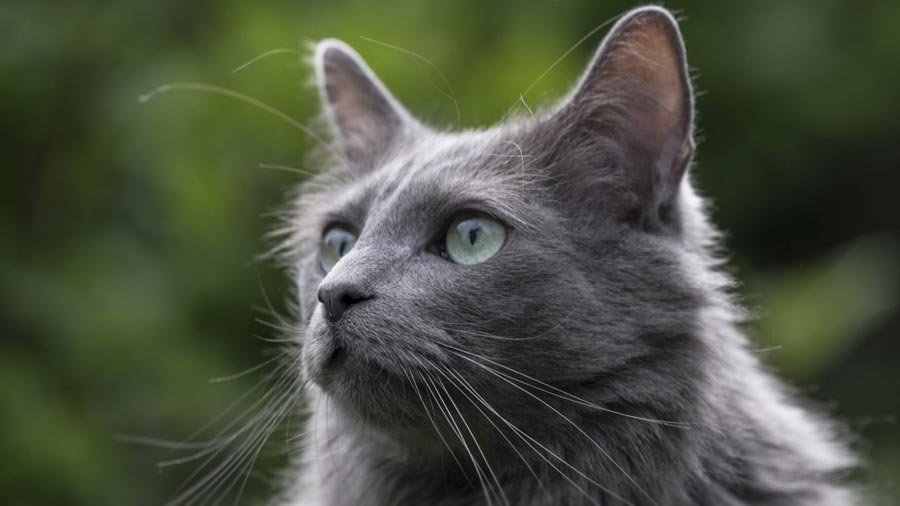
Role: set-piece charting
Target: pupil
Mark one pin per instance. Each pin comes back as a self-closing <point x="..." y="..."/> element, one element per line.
<point x="473" y="235"/>
<point x="342" y="248"/>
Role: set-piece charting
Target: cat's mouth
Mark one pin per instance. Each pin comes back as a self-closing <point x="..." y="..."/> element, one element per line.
<point x="336" y="359"/>
<point x="325" y="360"/>
<point x="359" y="383"/>
<point x="337" y="365"/>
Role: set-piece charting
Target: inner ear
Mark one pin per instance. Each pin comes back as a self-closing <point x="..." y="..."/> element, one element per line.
<point x="636" y="95"/>
<point x="367" y="120"/>
<point x="643" y="63"/>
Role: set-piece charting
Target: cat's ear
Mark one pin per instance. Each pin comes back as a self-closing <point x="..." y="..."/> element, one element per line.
<point x="367" y="120"/>
<point x="636" y="95"/>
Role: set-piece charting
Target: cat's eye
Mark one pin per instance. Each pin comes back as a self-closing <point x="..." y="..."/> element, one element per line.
<point x="473" y="238"/>
<point x="337" y="242"/>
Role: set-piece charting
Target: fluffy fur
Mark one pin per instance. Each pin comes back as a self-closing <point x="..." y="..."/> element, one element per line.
<point x="596" y="359"/>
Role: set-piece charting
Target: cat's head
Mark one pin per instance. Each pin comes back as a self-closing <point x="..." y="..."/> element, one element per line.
<point x="544" y="253"/>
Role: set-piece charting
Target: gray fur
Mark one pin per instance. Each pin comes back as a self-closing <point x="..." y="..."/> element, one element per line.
<point x="608" y="295"/>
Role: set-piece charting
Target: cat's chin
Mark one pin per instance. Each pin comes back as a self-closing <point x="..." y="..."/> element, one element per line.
<point x="368" y="393"/>
<point x="374" y="408"/>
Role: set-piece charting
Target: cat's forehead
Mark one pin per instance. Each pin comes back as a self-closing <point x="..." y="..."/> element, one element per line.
<point x="436" y="173"/>
<point x="436" y="157"/>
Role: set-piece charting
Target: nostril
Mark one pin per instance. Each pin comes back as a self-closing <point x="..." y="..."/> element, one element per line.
<point x="347" y="299"/>
<point x="337" y="298"/>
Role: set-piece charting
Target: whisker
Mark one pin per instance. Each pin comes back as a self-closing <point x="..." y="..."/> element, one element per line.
<point x="245" y="372"/>
<point x="528" y="440"/>
<point x="565" y="54"/>
<point x="475" y="440"/>
<point x="562" y="394"/>
<point x="217" y="474"/>
<point x="219" y="90"/>
<point x="275" y="326"/>
<point x="286" y="168"/>
<point x="273" y="392"/>
<point x="500" y="316"/>
<point x="276" y="341"/>
<point x="299" y="435"/>
<point x="434" y="424"/>
<point x="315" y="442"/>
<point x="450" y="95"/>
<point x="328" y="438"/>
<point x="524" y="103"/>
<point x="522" y="157"/>
<point x="246" y="457"/>
<point x="293" y="396"/>
<point x="577" y="427"/>
<point x="529" y="338"/>
<point x="254" y="444"/>
<point x="254" y="408"/>
<point x="460" y="381"/>
<point x="162" y="443"/>
<point x="285" y="324"/>
<point x="445" y="410"/>
<point x="188" y="443"/>
<point x="267" y="54"/>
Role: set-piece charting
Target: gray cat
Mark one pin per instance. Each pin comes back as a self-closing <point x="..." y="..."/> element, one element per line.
<point x="534" y="314"/>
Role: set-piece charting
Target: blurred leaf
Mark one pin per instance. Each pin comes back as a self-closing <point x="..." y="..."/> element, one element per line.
<point x="814" y="313"/>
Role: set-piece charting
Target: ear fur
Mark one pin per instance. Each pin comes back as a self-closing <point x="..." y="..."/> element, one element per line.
<point x="636" y="96"/>
<point x="367" y="119"/>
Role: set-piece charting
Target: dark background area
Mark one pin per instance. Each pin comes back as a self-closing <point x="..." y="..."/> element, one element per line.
<point x="129" y="231"/>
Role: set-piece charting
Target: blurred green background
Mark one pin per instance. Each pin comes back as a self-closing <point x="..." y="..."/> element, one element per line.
<point x="129" y="232"/>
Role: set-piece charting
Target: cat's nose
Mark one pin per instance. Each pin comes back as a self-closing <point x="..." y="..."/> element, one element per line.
<point x="337" y="297"/>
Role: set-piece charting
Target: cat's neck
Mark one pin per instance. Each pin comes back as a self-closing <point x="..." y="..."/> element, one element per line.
<point x="349" y="467"/>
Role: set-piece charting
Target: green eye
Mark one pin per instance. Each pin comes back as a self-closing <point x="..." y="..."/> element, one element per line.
<point x="336" y="243"/>
<point x="472" y="239"/>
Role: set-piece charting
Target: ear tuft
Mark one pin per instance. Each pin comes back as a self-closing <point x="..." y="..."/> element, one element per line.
<point x="366" y="118"/>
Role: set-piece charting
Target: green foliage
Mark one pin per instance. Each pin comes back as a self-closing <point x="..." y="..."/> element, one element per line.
<point x="128" y="230"/>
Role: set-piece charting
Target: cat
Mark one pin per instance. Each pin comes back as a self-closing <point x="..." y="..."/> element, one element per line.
<point x="534" y="313"/>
